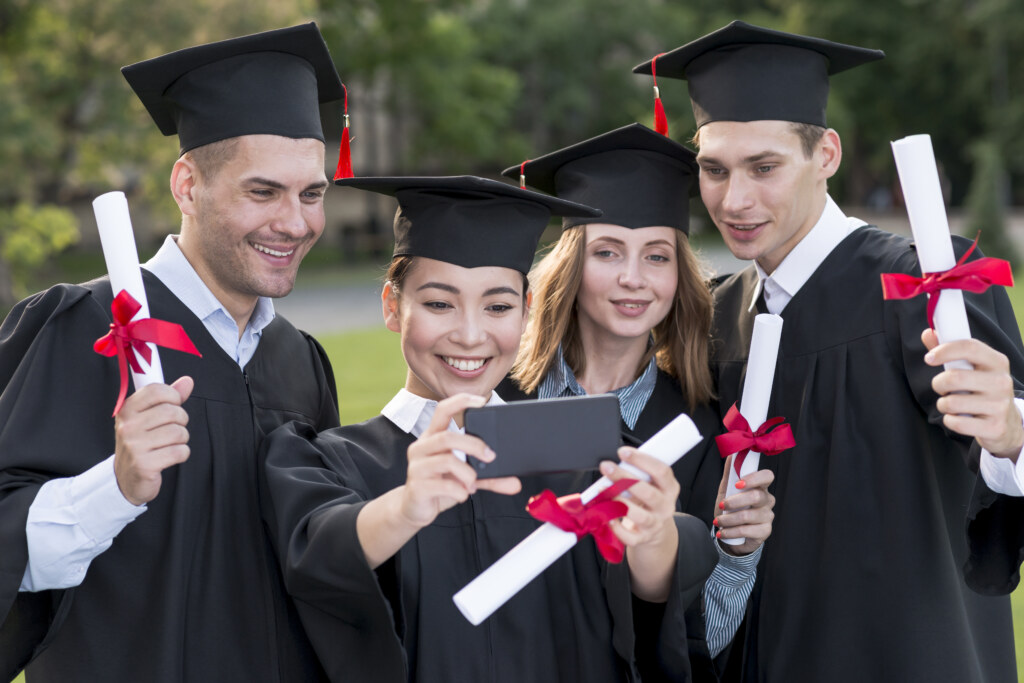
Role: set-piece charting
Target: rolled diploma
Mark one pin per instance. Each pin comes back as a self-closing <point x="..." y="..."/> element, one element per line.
<point x="757" y="392"/>
<point x="922" y="193"/>
<point x="118" y="240"/>
<point x="538" y="551"/>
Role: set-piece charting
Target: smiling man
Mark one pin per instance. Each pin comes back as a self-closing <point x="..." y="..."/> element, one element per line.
<point x="133" y="548"/>
<point x="863" y="578"/>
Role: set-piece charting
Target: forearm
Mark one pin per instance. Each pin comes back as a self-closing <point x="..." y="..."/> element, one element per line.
<point x="382" y="529"/>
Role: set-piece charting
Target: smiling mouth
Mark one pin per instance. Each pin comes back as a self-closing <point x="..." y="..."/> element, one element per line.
<point x="272" y="252"/>
<point x="464" y="364"/>
<point x="745" y="227"/>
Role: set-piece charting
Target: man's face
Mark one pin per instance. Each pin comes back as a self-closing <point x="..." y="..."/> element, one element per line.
<point x="256" y="218"/>
<point x="761" y="191"/>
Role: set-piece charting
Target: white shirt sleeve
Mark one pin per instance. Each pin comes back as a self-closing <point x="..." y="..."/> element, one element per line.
<point x="71" y="521"/>
<point x="1001" y="474"/>
<point x="725" y="596"/>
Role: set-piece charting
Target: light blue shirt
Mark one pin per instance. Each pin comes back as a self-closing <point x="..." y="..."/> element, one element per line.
<point x="74" y="519"/>
<point x="561" y="381"/>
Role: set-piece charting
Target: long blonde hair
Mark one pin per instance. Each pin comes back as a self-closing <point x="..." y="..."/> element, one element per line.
<point x="681" y="339"/>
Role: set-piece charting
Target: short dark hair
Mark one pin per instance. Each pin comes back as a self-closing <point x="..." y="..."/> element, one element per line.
<point x="211" y="158"/>
<point x="810" y="135"/>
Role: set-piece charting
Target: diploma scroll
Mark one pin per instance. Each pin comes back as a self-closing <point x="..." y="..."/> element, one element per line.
<point x="922" y="193"/>
<point x="757" y="392"/>
<point x="122" y="258"/>
<point x="538" y="551"/>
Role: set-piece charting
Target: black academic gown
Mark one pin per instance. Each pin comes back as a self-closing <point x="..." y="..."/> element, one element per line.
<point x="189" y="591"/>
<point x="863" y="579"/>
<point x="576" y="622"/>
<point x="699" y="473"/>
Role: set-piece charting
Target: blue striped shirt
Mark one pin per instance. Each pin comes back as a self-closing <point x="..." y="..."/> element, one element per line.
<point x="561" y="381"/>
<point x="728" y="588"/>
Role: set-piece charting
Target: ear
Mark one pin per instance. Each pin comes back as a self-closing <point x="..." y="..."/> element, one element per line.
<point x="830" y="149"/>
<point x="389" y="307"/>
<point x="184" y="177"/>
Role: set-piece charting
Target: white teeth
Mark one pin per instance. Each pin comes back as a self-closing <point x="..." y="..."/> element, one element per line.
<point x="463" y="364"/>
<point x="632" y="305"/>
<point x="273" y="252"/>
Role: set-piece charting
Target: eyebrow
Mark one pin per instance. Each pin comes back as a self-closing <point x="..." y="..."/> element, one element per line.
<point x="501" y="290"/>
<point x="455" y="290"/>
<point x="616" y="240"/>
<point x="280" y="186"/>
<point x="438" y="285"/>
<point x="752" y="159"/>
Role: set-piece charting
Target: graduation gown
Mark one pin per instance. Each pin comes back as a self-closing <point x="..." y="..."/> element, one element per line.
<point x="190" y="590"/>
<point x="863" y="577"/>
<point x="699" y="473"/>
<point x="573" y="623"/>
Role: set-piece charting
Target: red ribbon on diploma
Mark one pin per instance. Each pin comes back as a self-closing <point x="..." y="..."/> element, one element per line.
<point x="976" y="277"/>
<point x="766" y="439"/>
<point x="127" y="338"/>
<point x="568" y="513"/>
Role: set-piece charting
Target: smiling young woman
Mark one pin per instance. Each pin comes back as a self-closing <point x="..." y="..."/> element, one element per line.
<point x="379" y="524"/>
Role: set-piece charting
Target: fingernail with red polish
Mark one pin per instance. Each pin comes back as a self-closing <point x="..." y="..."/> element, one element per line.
<point x="718" y="534"/>
<point x="741" y="484"/>
<point x="715" y="522"/>
<point x="721" y="506"/>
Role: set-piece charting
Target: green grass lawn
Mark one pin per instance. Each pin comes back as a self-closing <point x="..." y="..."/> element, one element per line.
<point x="369" y="370"/>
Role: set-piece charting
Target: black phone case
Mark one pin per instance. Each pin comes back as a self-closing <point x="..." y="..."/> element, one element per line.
<point x="548" y="435"/>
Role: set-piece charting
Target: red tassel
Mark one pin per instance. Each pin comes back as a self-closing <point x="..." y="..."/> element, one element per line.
<point x="522" y="174"/>
<point x="345" y="153"/>
<point x="660" y="122"/>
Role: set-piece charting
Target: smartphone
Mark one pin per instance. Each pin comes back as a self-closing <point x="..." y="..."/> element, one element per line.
<point x="547" y="435"/>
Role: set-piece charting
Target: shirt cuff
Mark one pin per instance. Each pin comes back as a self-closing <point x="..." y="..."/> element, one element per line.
<point x="734" y="570"/>
<point x="1002" y="475"/>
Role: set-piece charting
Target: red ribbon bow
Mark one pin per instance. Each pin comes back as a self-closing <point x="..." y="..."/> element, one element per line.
<point x="127" y="339"/>
<point x="976" y="277"/>
<point x="740" y="440"/>
<point x="568" y="513"/>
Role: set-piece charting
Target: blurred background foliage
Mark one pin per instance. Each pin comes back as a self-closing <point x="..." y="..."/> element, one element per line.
<point x="473" y="86"/>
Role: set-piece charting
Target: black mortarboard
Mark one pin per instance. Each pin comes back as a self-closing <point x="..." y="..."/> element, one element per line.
<point x="265" y="83"/>
<point x="637" y="177"/>
<point x="748" y="73"/>
<point x="468" y="221"/>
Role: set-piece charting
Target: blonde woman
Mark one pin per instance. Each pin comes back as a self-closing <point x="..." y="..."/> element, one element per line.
<point x="621" y="306"/>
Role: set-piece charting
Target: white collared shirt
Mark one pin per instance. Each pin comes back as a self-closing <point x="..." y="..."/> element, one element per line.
<point x="74" y="519"/>
<point x="800" y="263"/>
<point x="412" y="413"/>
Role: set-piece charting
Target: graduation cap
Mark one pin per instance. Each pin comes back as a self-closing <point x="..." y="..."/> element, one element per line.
<point x="265" y="83"/>
<point x="743" y="72"/>
<point x="468" y="221"/>
<point x="637" y="177"/>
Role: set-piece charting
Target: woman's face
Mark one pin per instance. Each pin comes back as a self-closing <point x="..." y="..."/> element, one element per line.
<point x="460" y="326"/>
<point x="629" y="280"/>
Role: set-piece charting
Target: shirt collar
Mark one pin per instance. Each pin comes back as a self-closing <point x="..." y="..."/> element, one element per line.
<point x="800" y="263"/>
<point x="412" y="413"/>
<point x="561" y="381"/>
<point x="173" y="269"/>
